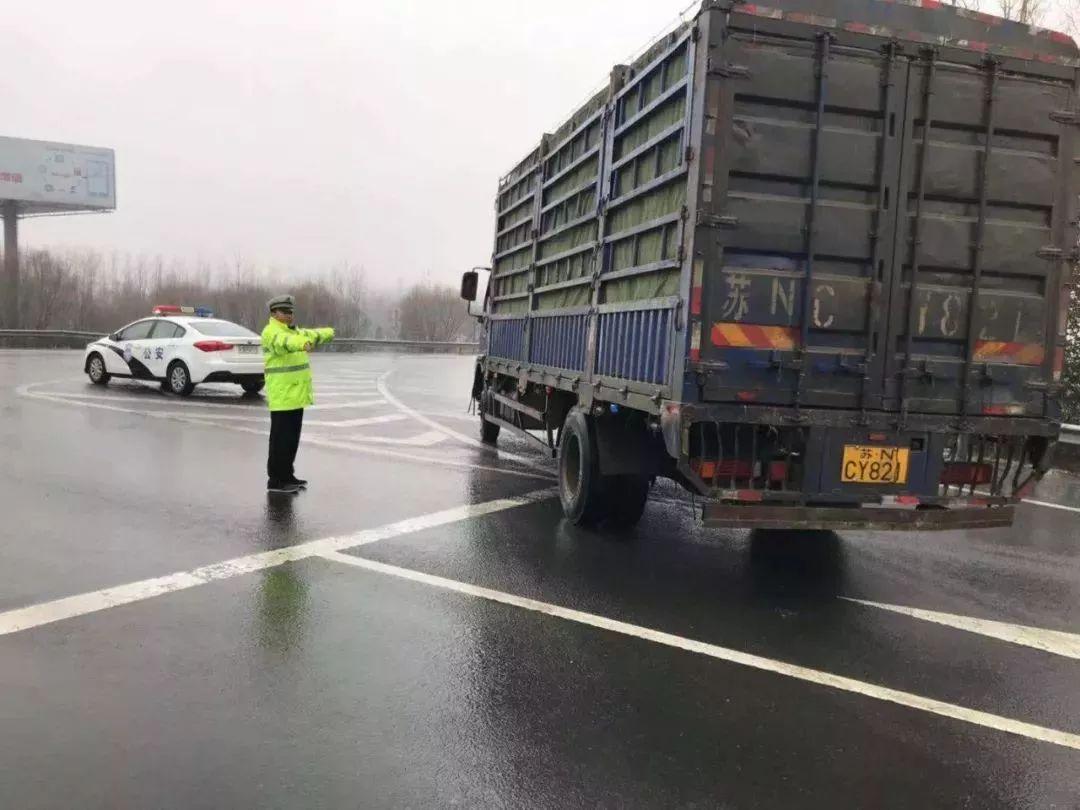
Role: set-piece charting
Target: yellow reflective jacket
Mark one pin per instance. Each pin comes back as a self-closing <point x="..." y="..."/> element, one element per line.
<point x="288" y="372"/>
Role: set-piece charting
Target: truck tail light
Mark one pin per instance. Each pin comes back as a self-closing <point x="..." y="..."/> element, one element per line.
<point x="732" y="468"/>
<point x="778" y="472"/>
<point x="959" y="473"/>
<point x="1004" y="410"/>
<point x="212" y="346"/>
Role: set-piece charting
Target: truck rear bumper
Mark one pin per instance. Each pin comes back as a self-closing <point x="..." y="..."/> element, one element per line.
<point x="757" y="516"/>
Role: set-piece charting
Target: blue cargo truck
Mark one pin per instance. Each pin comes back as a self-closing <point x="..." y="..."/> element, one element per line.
<point x="808" y="260"/>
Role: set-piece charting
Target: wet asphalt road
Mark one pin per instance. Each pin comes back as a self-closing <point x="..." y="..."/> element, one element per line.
<point x="403" y="634"/>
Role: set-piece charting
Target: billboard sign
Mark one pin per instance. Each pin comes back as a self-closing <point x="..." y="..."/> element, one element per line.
<point x="45" y="176"/>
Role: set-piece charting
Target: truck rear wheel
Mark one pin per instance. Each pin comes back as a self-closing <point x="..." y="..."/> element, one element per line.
<point x="581" y="489"/>
<point x="627" y="495"/>
<point x="489" y="432"/>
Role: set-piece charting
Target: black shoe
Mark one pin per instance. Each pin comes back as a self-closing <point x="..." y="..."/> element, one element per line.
<point x="284" y="489"/>
<point x="300" y="482"/>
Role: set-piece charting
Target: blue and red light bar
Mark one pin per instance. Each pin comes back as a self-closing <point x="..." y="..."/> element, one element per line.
<point x="173" y="309"/>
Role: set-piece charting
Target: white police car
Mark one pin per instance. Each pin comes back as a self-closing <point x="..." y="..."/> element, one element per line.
<point x="179" y="347"/>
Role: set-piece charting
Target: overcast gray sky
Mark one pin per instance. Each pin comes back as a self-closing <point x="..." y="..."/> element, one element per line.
<point x="307" y="134"/>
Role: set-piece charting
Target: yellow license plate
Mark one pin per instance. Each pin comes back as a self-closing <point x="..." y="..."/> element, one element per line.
<point x="874" y="465"/>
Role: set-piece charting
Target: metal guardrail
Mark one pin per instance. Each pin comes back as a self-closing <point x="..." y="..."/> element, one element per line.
<point x="1070" y="434"/>
<point x="71" y="338"/>
<point x="50" y="334"/>
<point x="434" y="347"/>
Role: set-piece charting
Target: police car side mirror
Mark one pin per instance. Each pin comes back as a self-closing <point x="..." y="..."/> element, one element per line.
<point x="115" y="336"/>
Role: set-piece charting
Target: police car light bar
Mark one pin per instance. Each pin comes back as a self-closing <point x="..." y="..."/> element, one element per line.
<point x="172" y="309"/>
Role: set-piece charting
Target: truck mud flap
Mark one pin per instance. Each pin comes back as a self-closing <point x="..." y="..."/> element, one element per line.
<point x="729" y="516"/>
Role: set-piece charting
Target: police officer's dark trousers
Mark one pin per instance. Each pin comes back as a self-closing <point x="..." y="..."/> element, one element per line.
<point x="285" y="429"/>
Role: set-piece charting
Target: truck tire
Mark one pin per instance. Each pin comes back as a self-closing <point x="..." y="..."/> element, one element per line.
<point x="581" y="489"/>
<point x="489" y="433"/>
<point x="627" y="495"/>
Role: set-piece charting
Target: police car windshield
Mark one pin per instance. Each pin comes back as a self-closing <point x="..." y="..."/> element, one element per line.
<point x="220" y="329"/>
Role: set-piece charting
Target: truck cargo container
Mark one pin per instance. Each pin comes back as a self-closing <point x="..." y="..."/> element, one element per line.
<point x="809" y="260"/>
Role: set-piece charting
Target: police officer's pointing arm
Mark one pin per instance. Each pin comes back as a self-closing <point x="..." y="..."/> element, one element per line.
<point x="317" y="337"/>
<point x="283" y="343"/>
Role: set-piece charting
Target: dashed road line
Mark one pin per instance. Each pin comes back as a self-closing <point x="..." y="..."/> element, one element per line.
<point x="1051" y="641"/>
<point x="800" y="673"/>
<point x="14" y="621"/>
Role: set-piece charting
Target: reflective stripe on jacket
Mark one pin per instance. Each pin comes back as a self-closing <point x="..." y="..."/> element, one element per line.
<point x="288" y="371"/>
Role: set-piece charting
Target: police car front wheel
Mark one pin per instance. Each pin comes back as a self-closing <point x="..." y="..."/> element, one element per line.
<point x="95" y="369"/>
<point x="178" y="379"/>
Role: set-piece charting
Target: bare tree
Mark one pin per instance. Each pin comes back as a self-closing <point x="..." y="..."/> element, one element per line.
<point x="45" y="279"/>
<point x="431" y="312"/>
<point x="1029" y="12"/>
<point x="88" y="290"/>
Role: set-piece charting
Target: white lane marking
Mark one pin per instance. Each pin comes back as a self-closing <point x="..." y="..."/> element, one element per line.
<point x="14" y="621"/>
<point x="351" y="423"/>
<point x="814" y="676"/>
<point x="453" y="434"/>
<point x="149" y="399"/>
<point x="334" y="379"/>
<point x="337" y="406"/>
<point x="1049" y="505"/>
<point x="263" y="417"/>
<point x="1051" y="641"/>
<point x="461" y="417"/>
<point x="194" y="419"/>
<point x="429" y="439"/>
<point x="154" y="398"/>
<point x="77" y="399"/>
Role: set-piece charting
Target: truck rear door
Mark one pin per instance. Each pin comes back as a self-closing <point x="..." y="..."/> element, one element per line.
<point x="805" y="160"/>
<point x="870" y="261"/>
<point x="974" y="312"/>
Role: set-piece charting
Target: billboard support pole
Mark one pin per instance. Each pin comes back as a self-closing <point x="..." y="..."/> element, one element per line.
<point x="10" y="212"/>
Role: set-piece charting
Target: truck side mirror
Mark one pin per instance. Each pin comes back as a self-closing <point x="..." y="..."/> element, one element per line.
<point x="469" y="282"/>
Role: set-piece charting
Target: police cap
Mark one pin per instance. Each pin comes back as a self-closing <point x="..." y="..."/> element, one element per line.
<point x="281" y="302"/>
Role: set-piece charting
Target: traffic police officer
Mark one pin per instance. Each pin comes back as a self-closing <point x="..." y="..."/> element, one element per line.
<point x="288" y="389"/>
